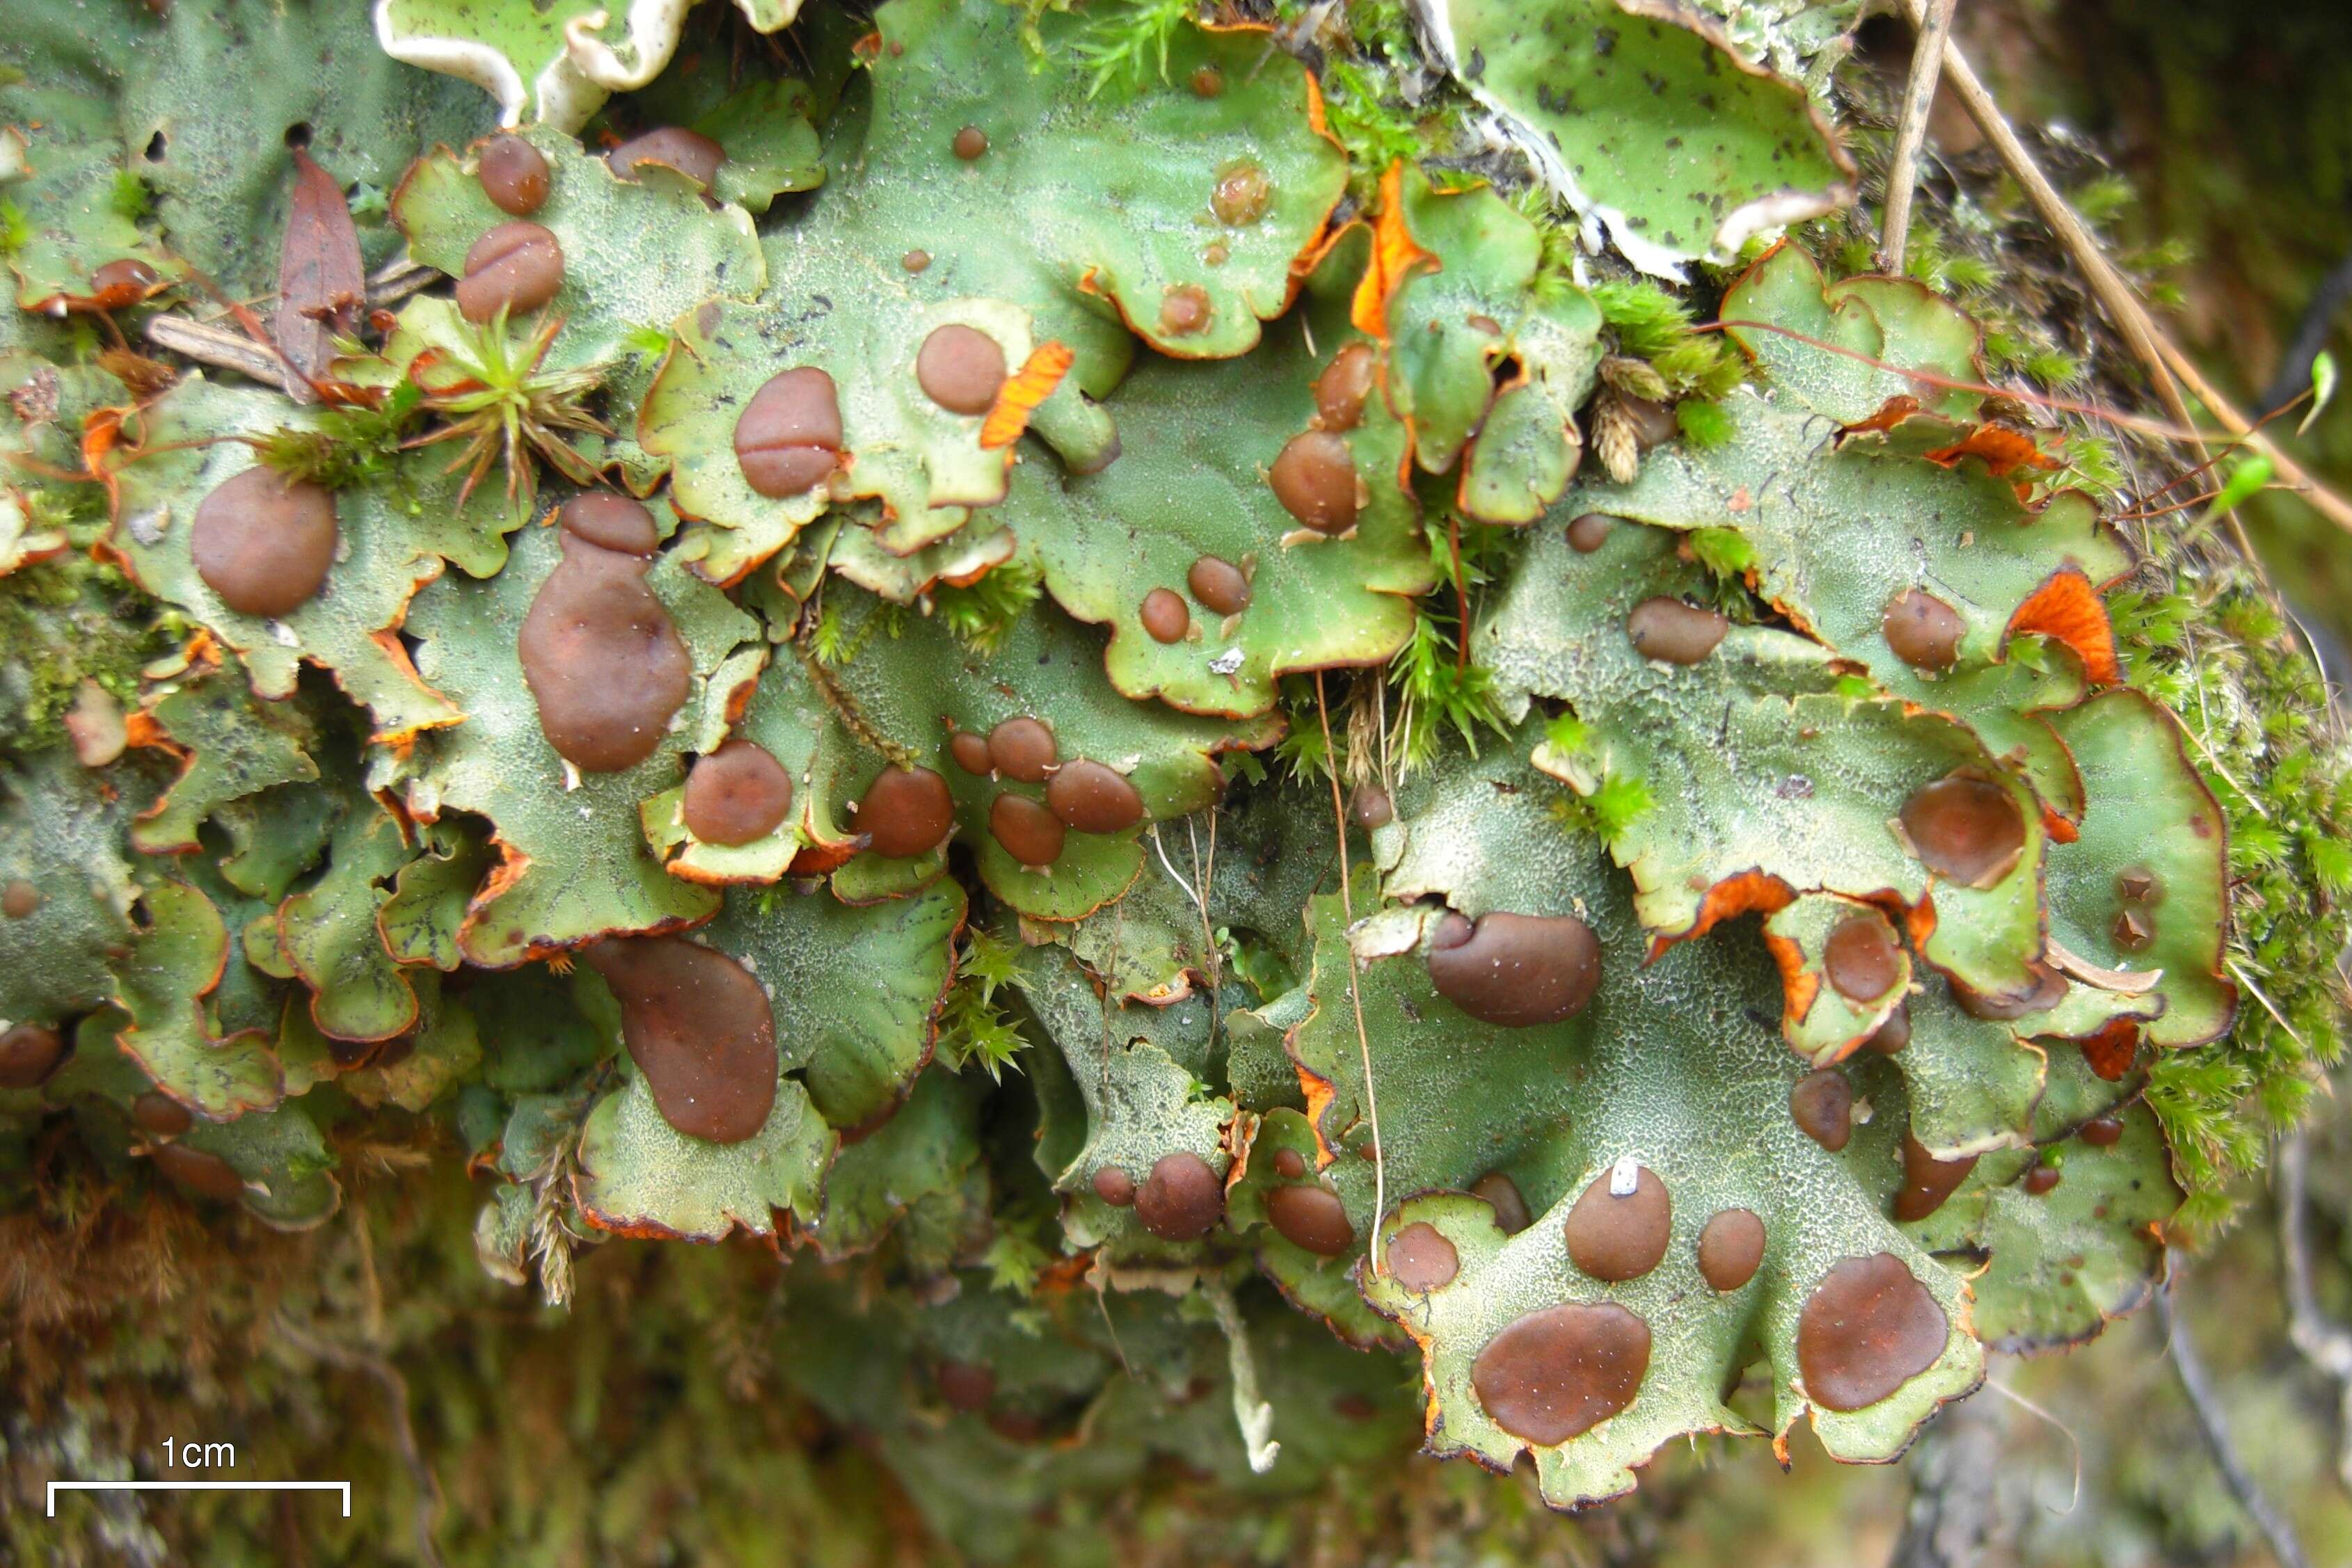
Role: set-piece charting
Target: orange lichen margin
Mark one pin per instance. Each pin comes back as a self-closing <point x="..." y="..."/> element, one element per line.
<point x="1395" y="257"/>
<point x="1027" y="387"/>
<point x="2068" y="609"/>
<point x="1746" y="893"/>
<point x="1798" y="985"/>
<point x="1319" y="1093"/>
<point x="2003" y="450"/>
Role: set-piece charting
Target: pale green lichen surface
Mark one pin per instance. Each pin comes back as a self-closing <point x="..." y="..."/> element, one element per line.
<point x="1370" y="550"/>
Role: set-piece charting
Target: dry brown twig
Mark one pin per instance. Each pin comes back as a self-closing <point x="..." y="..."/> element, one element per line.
<point x="224" y="349"/>
<point x="2327" y="1344"/>
<point x="1910" y="132"/>
<point x="397" y="279"/>
<point x="219" y="348"/>
<point x="2168" y="366"/>
<point x="2205" y="1404"/>
<point x="371" y="1362"/>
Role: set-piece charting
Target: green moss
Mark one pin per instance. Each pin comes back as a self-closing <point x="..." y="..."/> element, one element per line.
<point x="2276" y="759"/>
<point x="64" y="622"/>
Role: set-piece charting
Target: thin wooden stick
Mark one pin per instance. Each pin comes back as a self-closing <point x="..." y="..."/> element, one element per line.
<point x="2205" y="1403"/>
<point x="2325" y="1344"/>
<point x="1911" y="130"/>
<point x="398" y="279"/>
<point x="219" y="348"/>
<point x="2168" y="366"/>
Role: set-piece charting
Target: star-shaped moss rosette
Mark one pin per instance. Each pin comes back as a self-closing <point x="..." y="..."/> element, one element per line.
<point x="1647" y="121"/>
<point x="555" y="64"/>
<point x="1489" y="356"/>
<point x="637" y="252"/>
<point x="1883" y="906"/>
<point x="1207" y="537"/>
<point x="1052" y="776"/>
<point x="1181" y="213"/>
<point x="390" y="538"/>
<point x="1740" y="774"/>
<point x="573" y="864"/>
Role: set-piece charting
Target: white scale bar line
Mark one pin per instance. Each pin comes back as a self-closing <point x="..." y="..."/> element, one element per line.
<point x="343" y="1487"/>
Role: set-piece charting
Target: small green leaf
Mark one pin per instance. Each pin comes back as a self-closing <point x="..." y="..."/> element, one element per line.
<point x="2323" y="388"/>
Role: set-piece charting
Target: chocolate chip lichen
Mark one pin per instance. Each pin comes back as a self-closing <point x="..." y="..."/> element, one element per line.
<point x="1225" y="798"/>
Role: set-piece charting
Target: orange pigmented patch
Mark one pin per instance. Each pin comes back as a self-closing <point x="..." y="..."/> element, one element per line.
<point x="1064" y="1274"/>
<point x="611" y="1225"/>
<point x="1890" y="413"/>
<point x="141" y="730"/>
<point x="2110" y="1051"/>
<point x="819" y="859"/>
<point x="1027" y="387"/>
<point x="101" y="432"/>
<point x="396" y="652"/>
<point x="1319" y="1094"/>
<point x="1749" y="892"/>
<point x="1315" y="122"/>
<point x="2003" y="449"/>
<point x="1395" y="257"/>
<point x="738" y="701"/>
<point x="1798" y="985"/>
<point x="1919" y="922"/>
<point x="2068" y="609"/>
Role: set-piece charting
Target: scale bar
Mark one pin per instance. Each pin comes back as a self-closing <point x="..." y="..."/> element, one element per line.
<point x="343" y="1487"/>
